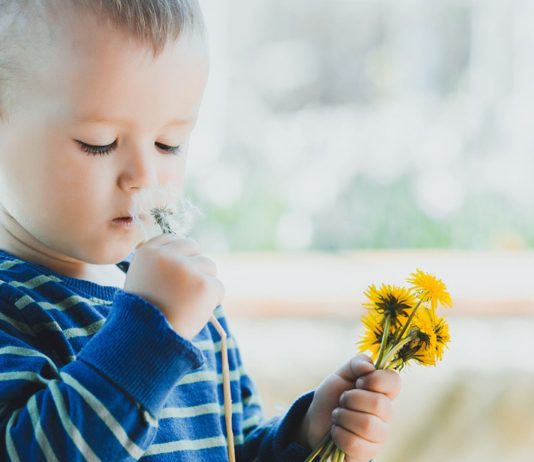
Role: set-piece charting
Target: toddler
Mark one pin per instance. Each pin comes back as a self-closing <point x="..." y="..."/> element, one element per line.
<point x="106" y="353"/>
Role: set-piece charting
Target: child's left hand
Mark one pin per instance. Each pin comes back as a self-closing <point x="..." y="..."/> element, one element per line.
<point x="362" y="399"/>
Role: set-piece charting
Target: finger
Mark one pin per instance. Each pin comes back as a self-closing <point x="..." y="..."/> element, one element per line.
<point x="369" y="402"/>
<point x="381" y="381"/>
<point x="184" y="246"/>
<point x="160" y="239"/>
<point x="356" y="367"/>
<point x="366" y="426"/>
<point x="204" y="264"/>
<point x="363" y="357"/>
<point x="352" y="445"/>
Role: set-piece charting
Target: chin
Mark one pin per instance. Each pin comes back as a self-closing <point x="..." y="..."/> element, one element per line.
<point x="110" y="255"/>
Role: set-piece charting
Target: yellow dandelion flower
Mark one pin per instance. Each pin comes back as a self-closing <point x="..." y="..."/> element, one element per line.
<point x="372" y="337"/>
<point x="426" y="338"/>
<point x="421" y="343"/>
<point x="390" y="301"/>
<point x="430" y="289"/>
<point x="441" y="329"/>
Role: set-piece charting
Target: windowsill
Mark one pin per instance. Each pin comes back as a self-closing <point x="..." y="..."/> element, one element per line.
<point x="332" y="285"/>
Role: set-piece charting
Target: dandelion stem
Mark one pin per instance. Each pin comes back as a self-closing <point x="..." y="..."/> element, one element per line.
<point x="391" y="353"/>
<point x="339" y="456"/>
<point x="383" y="344"/>
<point x="226" y="387"/>
<point x="327" y="452"/>
<point x="408" y="322"/>
<point x="320" y="447"/>
<point x="160" y="216"/>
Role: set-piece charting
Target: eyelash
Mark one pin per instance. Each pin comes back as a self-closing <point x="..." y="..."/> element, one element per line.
<point x="93" y="150"/>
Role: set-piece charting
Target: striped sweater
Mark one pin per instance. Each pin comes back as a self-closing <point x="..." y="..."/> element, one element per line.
<point x="93" y="373"/>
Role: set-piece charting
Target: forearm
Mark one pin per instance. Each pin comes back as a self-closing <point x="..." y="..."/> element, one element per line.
<point x="104" y="403"/>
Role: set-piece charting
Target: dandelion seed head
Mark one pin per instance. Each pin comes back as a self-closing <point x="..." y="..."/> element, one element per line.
<point x="160" y="209"/>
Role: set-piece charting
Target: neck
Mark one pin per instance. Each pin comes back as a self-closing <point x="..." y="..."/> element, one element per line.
<point x="14" y="238"/>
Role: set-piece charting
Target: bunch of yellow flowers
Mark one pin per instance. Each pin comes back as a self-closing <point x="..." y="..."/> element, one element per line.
<point x="401" y="325"/>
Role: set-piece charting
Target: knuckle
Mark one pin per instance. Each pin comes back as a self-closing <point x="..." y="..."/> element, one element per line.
<point x="368" y="424"/>
<point x="346" y="441"/>
<point x="202" y="282"/>
<point x="373" y="381"/>
<point x="354" y="445"/>
<point x="386" y="408"/>
<point x="380" y="403"/>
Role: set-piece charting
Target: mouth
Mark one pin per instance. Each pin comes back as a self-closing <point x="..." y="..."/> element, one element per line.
<point x="127" y="220"/>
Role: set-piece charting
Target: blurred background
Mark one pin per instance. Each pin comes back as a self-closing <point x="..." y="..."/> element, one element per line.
<point x="347" y="142"/>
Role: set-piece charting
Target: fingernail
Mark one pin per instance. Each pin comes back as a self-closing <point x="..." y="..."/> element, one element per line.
<point x="359" y="383"/>
<point x="334" y="414"/>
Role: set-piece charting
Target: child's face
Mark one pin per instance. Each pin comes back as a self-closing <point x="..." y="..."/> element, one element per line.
<point x="96" y="86"/>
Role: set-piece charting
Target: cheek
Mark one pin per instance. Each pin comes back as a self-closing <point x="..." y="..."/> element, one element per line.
<point x="73" y="171"/>
<point x="68" y="183"/>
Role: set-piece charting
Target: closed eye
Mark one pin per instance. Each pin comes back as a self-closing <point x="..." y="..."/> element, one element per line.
<point x="96" y="150"/>
<point x="167" y="148"/>
<point x="99" y="150"/>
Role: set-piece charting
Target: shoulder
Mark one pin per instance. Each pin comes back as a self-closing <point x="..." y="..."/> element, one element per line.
<point x="20" y="279"/>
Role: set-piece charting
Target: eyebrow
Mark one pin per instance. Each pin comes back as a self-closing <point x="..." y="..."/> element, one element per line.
<point x="96" y="119"/>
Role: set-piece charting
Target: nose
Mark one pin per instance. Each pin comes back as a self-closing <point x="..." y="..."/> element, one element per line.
<point x="139" y="170"/>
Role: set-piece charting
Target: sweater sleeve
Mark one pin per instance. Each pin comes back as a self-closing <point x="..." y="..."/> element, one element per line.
<point x="104" y="404"/>
<point x="267" y="440"/>
<point x="272" y="440"/>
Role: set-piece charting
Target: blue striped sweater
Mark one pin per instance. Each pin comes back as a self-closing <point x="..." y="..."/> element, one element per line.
<point x="93" y="373"/>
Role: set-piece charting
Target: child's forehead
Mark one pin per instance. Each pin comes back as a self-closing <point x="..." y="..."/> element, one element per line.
<point x="90" y="36"/>
<point x="78" y="45"/>
<point x="154" y="24"/>
<point x="68" y="28"/>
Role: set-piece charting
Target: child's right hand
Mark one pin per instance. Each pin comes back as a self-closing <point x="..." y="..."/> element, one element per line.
<point x="170" y="273"/>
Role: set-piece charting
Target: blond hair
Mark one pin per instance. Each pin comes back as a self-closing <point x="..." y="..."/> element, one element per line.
<point x="151" y="22"/>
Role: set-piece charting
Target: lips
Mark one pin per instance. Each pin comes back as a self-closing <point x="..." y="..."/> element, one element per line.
<point x="126" y="216"/>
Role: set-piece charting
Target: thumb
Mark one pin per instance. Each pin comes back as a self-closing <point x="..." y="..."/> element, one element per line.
<point x="356" y="367"/>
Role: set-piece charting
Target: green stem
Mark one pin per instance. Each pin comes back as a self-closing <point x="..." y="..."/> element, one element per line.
<point x="339" y="456"/>
<point x="405" y="328"/>
<point x="327" y="452"/>
<point x="320" y="447"/>
<point x="391" y="353"/>
<point x="383" y="344"/>
<point x="392" y="365"/>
